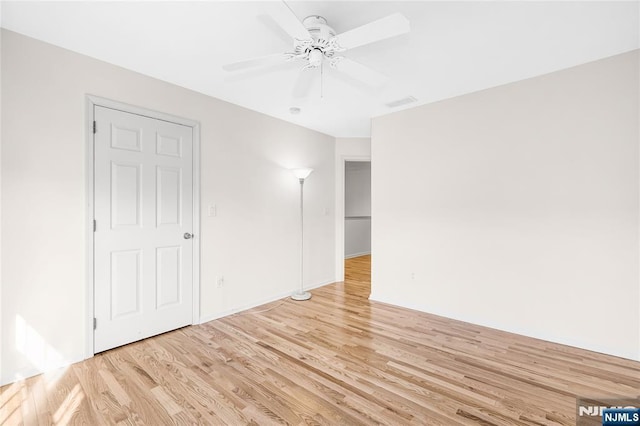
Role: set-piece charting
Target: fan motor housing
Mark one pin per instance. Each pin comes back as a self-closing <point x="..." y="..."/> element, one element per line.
<point x="318" y="28"/>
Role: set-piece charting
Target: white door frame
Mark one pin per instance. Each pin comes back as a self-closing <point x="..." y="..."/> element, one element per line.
<point x="340" y="190"/>
<point x="91" y="102"/>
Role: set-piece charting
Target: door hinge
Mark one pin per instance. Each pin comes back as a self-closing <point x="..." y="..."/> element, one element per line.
<point x="95" y="323"/>
<point x="95" y="127"/>
<point x="95" y="225"/>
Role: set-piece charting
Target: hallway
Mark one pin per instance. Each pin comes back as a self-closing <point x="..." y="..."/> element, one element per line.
<point x="357" y="276"/>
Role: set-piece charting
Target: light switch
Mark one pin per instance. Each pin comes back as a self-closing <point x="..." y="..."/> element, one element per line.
<point x="213" y="211"/>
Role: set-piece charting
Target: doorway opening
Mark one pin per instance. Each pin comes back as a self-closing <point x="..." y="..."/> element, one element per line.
<point x="357" y="227"/>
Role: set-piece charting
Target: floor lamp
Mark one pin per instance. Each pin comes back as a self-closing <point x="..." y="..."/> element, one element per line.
<point x="301" y="174"/>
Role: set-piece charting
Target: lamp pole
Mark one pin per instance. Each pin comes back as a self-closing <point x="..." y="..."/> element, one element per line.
<point x="300" y="295"/>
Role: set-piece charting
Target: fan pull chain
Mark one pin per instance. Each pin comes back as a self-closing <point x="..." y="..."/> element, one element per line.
<point x="322" y="80"/>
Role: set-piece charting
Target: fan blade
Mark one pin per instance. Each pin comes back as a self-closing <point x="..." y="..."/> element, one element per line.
<point x="361" y="72"/>
<point x="275" y="28"/>
<point x="261" y="72"/>
<point x="387" y="27"/>
<point x="255" y="62"/>
<point x="288" y="21"/>
<point x="304" y="81"/>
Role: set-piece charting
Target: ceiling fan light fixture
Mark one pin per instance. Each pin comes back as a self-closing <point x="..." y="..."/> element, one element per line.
<point x="314" y="40"/>
<point x="315" y="57"/>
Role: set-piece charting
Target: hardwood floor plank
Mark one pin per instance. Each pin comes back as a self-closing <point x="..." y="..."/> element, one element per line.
<point x="337" y="358"/>
<point x="29" y="408"/>
<point x="148" y="369"/>
<point x="102" y="406"/>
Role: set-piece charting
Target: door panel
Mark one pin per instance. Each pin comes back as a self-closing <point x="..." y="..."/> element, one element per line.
<point x="125" y="195"/>
<point x="169" y="182"/>
<point x="167" y="145"/>
<point x="125" y="283"/>
<point x="128" y="139"/>
<point x="168" y="264"/>
<point x="143" y="189"/>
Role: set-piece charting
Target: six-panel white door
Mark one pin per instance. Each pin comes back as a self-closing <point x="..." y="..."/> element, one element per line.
<point x="143" y="276"/>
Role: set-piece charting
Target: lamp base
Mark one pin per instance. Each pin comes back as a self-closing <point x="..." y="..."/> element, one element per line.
<point x="301" y="295"/>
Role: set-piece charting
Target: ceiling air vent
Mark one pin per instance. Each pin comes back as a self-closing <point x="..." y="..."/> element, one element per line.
<point x="400" y="102"/>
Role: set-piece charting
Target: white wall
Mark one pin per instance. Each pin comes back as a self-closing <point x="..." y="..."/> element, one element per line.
<point x="1" y="316"/>
<point x="517" y="207"/>
<point x="253" y="240"/>
<point x="357" y="200"/>
<point x="346" y="149"/>
<point x="357" y="237"/>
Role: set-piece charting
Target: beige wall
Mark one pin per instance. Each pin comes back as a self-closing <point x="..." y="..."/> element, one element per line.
<point x="244" y="161"/>
<point x="517" y="207"/>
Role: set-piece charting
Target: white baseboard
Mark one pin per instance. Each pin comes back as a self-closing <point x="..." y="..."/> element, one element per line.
<point x="31" y="371"/>
<point x="364" y="253"/>
<point x="263" y="301"/>
<point x="535" y="334"/>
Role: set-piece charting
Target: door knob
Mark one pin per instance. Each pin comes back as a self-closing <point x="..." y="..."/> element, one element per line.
<point x="188" y="236"/>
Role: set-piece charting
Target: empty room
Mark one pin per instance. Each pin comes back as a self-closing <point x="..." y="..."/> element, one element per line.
<point x="320" y="212"/>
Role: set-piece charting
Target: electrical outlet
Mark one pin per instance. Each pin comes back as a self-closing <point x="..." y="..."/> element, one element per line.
<point x="220" y="281"/>
<point x="413" y="276"/>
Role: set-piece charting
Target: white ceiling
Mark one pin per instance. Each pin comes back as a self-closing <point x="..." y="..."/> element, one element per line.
<point x="453" y="47"/>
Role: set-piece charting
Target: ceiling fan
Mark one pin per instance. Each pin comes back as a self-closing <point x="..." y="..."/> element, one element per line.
<point x="316" y="43"/>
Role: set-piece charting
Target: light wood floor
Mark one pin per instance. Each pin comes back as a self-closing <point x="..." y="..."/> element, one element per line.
<point x="336" y="359"/>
